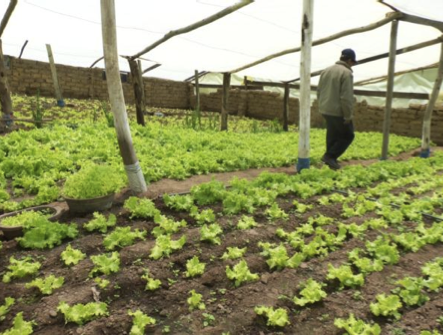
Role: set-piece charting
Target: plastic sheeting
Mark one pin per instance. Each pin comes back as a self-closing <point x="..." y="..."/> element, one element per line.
<point x="265" y="27"/>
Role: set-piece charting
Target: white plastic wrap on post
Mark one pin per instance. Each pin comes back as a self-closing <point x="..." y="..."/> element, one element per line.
<point x="136" y="179"/>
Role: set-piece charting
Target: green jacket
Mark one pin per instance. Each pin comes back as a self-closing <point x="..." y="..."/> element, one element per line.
<point x="335" y="92"/>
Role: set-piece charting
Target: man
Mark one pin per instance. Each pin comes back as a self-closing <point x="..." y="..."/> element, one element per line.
<point x="335" y="96"/>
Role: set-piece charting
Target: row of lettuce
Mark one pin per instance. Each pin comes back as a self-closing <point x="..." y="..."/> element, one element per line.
<point x="309" y="240"/>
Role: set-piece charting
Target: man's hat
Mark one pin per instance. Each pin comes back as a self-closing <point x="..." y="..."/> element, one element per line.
<point x="349" y="54"/>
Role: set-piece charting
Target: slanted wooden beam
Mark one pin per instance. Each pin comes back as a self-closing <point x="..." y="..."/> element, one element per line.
<point x="225" y="98"/>
<point x="151" y="68"/>
<point x="420" y="20"/>
<point x="23" y="49"/>
<point x="426" y="136"/>
<point x="7" y="16"/>
<point x="390" y="90"/>
<point x="385" y="55"/>
<point x="390" y="17"/>
<point x="200" y="74"/>
<point x="194" y="26"/>
<point x="133" y="170"/>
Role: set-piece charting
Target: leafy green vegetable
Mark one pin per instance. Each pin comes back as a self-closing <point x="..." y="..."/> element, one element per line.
<point x="47" y="234"/>
<point x="26" y="219"/>
<point x="4" y="309"/>
<point x="205" y="216"/>
<point x="275" y="212"/>
<point x="179" y="202"/>
<point x="152" y="283"/>
<point x="82" y="313"/>
<point x="166" y="226"/>
<point x="277" y="257"/>
<point x="278" y="317"/>
<point x="105" y="264"/>
<point x="246" y="222"/>
<point x="100" y="223"/>
<point x="164" y="246"/>
<point x="101" y="282"/>
<point x="345" y="276"/>
<point x="357" y="327"/>
<point x="311" y="292"/>
<point x="195" y="301"/>
<point x="20" y="326"/>
<point x="20" y="268"/>
<point x="140" y="208"/>
<point x="47" y="285"/>
<point x="194" y="267"/>
<point x="139" y="322"/>
<point x="72" y="256"/>
<point x="411" y="291"/>
<point x="93" y="181"/>
<point x="387" y="305"/>
<point x="240" y="273"/>
<point x="210" y="233"/>
<point x="122" y="237"/>
<point x="208" y="193"/>
<point x="233" y="253"/>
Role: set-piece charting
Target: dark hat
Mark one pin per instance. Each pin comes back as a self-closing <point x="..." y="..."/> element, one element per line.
<point x="349" y="54"/>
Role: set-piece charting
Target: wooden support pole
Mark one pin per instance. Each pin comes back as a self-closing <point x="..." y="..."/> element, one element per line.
<point x="197" y="94"/>
<point x="5" y="94"/>
<point x="134" y="172"/>
<point x="137" y="85"/>
<point x="7" y="16"/>
<point x="23" y="49"/>
<point x="426" y="137"/>
<point x="286" y="108"/>
<point x="225" y="98"/>
<point x="58" y="92"/>
<point x="303" y="161"/>
<point x="389" y="90"/>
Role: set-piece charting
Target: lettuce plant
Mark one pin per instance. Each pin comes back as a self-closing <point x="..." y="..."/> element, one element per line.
<point x="100" y="222"/>
<point x="72" y="256"/>
<point x="277" y="317"/>
<point x="311" y="292"/>
<point x="139" y="322"/>
<point x="210" y="233"/>
<point x="164" y="246"/>
<point x="105" y="264"/>
<point x="195" y="301"/>
<point x="4" y="309"/>
<point x="20" y="326"/>
<point x="140" y="208"/>
<point x="47" y="285"/>
<point x="246" y="222"/>
<point x="194" y="267"/>
<point x="386" y="305"/>
<point x="82" y="313"/>
<point x="345" y="276"/>
<point x="233" y="253"/>
<point x="20" y="268"/>
<point x="166" y="226"/>
<point x="357" y="327"/>
<point x="152" y="284"/>
<point x="122" y="237"/>
<point x="240" y="273"/>
<point x="93" y="181"/>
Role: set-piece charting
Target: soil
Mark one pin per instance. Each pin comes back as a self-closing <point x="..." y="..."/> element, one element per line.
<point x="232" y="308"/>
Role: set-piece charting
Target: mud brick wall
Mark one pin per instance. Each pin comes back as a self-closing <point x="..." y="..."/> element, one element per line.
<point x="28" y="77"/>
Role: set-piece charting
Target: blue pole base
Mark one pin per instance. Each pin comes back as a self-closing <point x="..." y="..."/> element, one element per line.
<point x="303" y="163"/>
<point x="61" y="103"/>
<point x="425" y="153"/>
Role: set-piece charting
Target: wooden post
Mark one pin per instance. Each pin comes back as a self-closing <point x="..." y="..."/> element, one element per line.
<point x="286" y="107"/>
<point x="58" y="93"/>
<point x="5" y="94"/>
<point x="303" y="161"/>
<point x="426" y="137"/>
<point x="139" y="95"/>
<point x="225" y="98"/>
<point x="389" y="90"/>
<point x="109" y="31"/>
<point x="197" y="93"/>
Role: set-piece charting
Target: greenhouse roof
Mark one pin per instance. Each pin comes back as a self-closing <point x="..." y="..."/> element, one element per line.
<point x="265" y="27"/>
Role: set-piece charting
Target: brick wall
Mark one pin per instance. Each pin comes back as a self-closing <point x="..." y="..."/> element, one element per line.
<point x="27" y="76"/>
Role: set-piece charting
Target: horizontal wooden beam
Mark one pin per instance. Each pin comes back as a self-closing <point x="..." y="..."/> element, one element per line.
<point x="368" y="93"/>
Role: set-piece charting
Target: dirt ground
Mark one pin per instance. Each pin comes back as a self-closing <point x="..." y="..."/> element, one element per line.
<point x="232" y="308"/>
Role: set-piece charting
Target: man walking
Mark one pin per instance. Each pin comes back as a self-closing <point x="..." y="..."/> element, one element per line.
<point x="335" y="96"/>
